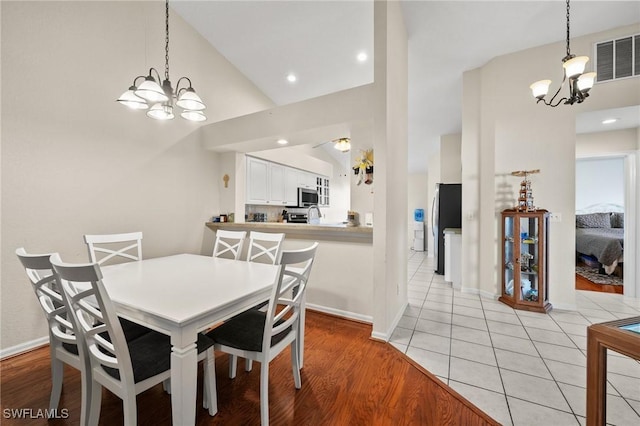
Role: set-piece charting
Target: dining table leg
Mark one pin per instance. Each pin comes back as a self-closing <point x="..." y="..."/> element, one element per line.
<point x="184" y="379"/>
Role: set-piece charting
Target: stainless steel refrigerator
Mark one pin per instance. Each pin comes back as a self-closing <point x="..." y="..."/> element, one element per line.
<point x="446" y="212"/>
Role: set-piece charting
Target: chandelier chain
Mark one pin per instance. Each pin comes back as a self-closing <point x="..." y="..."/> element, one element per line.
<point x="166" y="44"/>
<point x="568" y="48"/>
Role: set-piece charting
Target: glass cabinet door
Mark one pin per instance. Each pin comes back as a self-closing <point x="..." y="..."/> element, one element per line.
<point x="525" y="283"/>
<point x="529" y="258"/>
<point x="509" y="255"/>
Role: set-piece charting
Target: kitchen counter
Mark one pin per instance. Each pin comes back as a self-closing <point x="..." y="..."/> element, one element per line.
<point x="331" y="232"/>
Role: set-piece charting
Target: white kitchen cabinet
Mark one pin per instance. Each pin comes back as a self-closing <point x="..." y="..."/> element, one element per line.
<point x="271" y="183"/>
<point x="257" y="181"/>
<point x="291" y="186"/>
<point x="306" y="180"/>
<point x="322" y="185"/>
<point x="276" y="184"/>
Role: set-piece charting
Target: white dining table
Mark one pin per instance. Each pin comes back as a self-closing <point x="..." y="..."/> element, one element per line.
<point x="180" y="296"/>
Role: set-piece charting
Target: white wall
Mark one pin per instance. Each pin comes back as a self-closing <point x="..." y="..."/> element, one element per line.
<point x="503" y="124"/>
<point x="418" y="198"/>
<point x="362" y="196"/>
<point x="390" y="144"/>
<point x="605" y="143"/>
<point x="599" y="181"/>
<point x="74" y="161"/>
<point x="450" y="163"/>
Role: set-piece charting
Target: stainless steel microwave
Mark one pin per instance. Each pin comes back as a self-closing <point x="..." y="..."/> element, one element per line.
<point x="307" y="197"/>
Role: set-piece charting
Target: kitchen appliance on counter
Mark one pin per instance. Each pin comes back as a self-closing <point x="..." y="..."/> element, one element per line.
<point x="297" y="218"/>
<point x="307" y="197"/>
<point x="446" y="212"/>
<point x="352" y="218"/>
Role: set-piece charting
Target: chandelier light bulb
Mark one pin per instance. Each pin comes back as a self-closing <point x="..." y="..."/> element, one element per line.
<point x="151" y="91"/>
<point x="129" y="99"/>
<point x="161" y="112"/>
<point x="575" y="66"/>
<point x="189" y="100"/>
<point x="586" y="80"/>
<point x="193" y="115"/>
<point x="540" y="88"/>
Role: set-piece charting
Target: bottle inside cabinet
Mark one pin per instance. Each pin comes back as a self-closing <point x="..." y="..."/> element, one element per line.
<point x="524" y="278"/>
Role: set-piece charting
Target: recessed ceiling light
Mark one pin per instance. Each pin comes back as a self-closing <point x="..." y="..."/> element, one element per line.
<point x="609" y="121"/>
<point x="291" y="78"/>
<point x="362" y="56"/>
<point x="283" y="141"/>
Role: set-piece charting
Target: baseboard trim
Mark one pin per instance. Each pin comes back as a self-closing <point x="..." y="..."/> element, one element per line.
<point x="483" y="293"/>
<point x="23" y="347"/>
<point x="340" y="313"/>
<point x="386" y="336"/>
<point x="564" y="306"/>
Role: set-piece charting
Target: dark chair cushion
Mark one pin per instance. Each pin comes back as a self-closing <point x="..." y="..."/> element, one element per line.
<point x="151" y="355"/>
<point x="70" y="348"/>
<point x="245" y="331"/>
<point x="131" y="332"/>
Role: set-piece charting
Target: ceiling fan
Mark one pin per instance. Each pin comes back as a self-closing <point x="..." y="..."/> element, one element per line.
<point x="341" y="144"/>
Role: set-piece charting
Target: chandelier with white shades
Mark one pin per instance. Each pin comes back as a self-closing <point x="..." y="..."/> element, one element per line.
<point x="579" y="82"/>
<point x="159" y="100"/>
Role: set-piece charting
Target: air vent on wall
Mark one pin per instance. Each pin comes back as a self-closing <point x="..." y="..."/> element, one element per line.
<point x="618" y="58"/>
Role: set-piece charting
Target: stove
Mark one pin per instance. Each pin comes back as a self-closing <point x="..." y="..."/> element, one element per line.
<point x="297" y="218"/>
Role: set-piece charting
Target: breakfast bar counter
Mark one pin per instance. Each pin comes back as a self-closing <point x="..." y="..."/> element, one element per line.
<point x="342" y="279"/>
<point x="330" y="232"/>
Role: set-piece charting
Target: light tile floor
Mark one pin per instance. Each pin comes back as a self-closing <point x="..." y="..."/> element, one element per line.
<point x="521" y="368"/>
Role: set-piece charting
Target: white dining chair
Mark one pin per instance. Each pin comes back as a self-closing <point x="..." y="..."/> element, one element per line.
<point x="63" y="344"/>
<point x="264" y="247"/>
<point x="126" y="368"/>
<point x="105" y="247"/>
<point x="229" y="244"/>
<point x="63" y="348"/>
<point x="261" y="336"/>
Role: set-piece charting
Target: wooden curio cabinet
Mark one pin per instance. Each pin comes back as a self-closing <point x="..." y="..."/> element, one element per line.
<point x="525" y="274"/>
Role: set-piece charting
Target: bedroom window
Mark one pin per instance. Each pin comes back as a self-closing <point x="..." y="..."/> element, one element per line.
<point x="619" y="58"/>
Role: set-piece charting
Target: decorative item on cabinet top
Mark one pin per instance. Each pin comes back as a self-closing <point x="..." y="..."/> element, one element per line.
<point x="525" y="197"/>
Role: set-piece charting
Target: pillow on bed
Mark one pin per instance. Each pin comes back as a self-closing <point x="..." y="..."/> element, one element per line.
<point x="593" y="220"/>
<point x="617" y="220"/>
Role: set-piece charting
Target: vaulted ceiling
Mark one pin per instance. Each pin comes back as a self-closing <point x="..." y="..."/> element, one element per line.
<point x="318" y="41"/>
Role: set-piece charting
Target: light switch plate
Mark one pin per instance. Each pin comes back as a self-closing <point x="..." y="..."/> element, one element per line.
<point x="555" y="217"/>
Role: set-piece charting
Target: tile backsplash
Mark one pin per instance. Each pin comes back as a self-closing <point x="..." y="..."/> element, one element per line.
<point x="273" y="213"/>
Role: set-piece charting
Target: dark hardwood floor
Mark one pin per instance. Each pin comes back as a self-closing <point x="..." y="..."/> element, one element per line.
<point x="584" y="284"/>
<point x="347" y="379"/>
